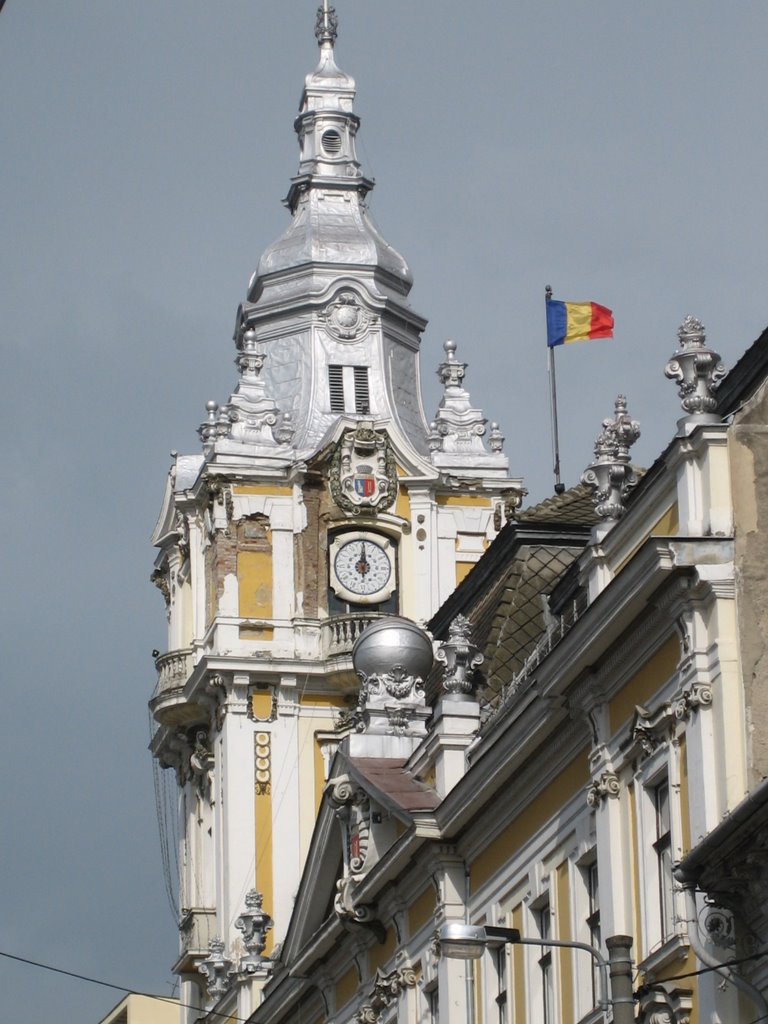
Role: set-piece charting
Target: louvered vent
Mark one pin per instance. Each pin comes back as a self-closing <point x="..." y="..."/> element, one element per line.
<point x="362" y="393"/>
<point x="336" y="387"/>
<point x="331" y="142"/>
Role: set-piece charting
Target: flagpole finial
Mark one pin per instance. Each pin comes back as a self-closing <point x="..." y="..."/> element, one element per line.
<point x="326" y="24"/>
<point x="548" y="292"/>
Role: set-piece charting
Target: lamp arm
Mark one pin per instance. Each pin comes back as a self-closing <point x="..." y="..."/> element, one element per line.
<point x="512" y="935"/>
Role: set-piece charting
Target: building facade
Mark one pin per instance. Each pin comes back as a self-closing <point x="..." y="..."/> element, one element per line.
<point x="581" y="763"/>
<point x="570" y="745"/>
<point x="322" y="499"/>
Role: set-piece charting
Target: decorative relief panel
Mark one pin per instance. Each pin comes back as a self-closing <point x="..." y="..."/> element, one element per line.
<point x="386" y="989"/>
<point x="363" y="474"/>
<point x="353" y="811"/>
<point x="345" y="318"/>
<point x="263" y="763"/>
<point x="607" y="785"/>
<point x="664" y="1004"/>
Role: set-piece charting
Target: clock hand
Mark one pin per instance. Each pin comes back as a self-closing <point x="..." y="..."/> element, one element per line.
<point x="362" y="565"/>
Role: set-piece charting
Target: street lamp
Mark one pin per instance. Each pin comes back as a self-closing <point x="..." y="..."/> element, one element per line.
<point x="468" y="941"/>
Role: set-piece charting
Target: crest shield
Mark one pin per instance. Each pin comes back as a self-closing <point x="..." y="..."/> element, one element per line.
<point x="363" y="473"/>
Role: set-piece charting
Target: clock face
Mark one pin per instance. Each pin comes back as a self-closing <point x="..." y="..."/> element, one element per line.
<point x="363" y="566"/>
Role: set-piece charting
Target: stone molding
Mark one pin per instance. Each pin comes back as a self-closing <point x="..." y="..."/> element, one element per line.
<point x="664" y="1004"/>
<point x="386" y="989"/>
<point x="606" y="785"/>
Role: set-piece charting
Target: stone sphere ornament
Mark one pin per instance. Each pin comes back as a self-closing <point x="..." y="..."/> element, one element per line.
<point x="393" y="641"/>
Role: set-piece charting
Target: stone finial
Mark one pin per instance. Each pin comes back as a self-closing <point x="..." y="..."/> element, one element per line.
<point x="434" y="437"/>
<point x="496" y="438"/>
<point x="326" y="24"/>
<point x="254" y="923"/>
<point x="216" y="970"/>
<point x="461" y="659"/>
<point x="207" y="429"/>
<point x="457" y="428"/>
<point x="697" y="369"/>
<point x="610" y="473"/>
<point x="250" y="416"/>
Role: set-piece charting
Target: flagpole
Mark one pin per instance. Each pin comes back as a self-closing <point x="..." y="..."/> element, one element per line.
<point x="559" y="486"/>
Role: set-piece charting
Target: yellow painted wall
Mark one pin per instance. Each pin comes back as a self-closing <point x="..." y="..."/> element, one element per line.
<point x="319" y="774"/>
<point x="403" y="504"/>
<point x="463" y="500"/>
<point x="254" y="578"/>
<point x="311" y="769"/>
<point x="245" y="489"/>
<point x="421" y="911"/>
<point x="645" y="683"/>
<point x="381" y="953"/>
<point x="463" y="569"/>
<point x="264" y="865"/>
<point x="346" y="987"/>
<point x="546" y="804"/>
<point x="667" y="525"/>
<point x="261" y="705"/>
<point x="321" y="700"/>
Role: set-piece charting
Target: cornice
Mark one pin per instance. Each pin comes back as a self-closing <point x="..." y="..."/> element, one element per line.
<point x="524" y="755"/>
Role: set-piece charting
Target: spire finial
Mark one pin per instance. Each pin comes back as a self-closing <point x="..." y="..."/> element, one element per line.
<point x="326" y="24"/>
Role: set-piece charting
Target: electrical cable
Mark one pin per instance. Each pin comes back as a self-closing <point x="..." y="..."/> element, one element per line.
<point x="121" y="988"/>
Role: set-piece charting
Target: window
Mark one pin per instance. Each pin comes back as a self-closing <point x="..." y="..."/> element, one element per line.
<point x="545" y="967"/>
<point x="501" y="959"/>
<point x="433" y="1003"/>
<point x="349" y="390"/>
<point x="663" y="848"/>
<point x="593" y="923"/>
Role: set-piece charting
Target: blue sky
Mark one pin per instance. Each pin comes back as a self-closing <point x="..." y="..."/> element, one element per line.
<point x="614" y="150"/>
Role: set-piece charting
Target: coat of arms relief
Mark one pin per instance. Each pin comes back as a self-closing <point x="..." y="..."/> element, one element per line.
<point x="363" y="473"/>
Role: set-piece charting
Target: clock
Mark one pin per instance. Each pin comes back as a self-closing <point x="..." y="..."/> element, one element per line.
<point x="362" y="567"/>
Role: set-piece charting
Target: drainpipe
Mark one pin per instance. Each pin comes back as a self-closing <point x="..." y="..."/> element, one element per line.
<point x="691" y="924"/>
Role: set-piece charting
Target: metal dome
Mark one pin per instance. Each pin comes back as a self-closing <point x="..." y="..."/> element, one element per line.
<point x="393" y="641"/>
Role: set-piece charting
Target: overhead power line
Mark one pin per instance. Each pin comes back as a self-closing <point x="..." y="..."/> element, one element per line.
<point x="118" y="988"/>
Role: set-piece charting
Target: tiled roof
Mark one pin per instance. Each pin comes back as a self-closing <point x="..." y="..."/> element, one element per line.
<point x="387" y="775"/>
<point x="572" y="506"/>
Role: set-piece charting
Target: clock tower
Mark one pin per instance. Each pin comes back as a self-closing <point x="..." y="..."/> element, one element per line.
<point x="322" y="499"/>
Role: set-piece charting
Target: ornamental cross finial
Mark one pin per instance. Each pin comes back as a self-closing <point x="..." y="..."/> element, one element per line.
<point x="326" y="24"/>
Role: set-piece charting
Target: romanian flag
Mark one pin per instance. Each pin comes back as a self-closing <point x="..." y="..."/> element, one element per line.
<point x="577" y="321"/>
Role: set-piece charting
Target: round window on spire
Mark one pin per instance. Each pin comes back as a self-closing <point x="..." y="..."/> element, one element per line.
<point x="331" y="141"/>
